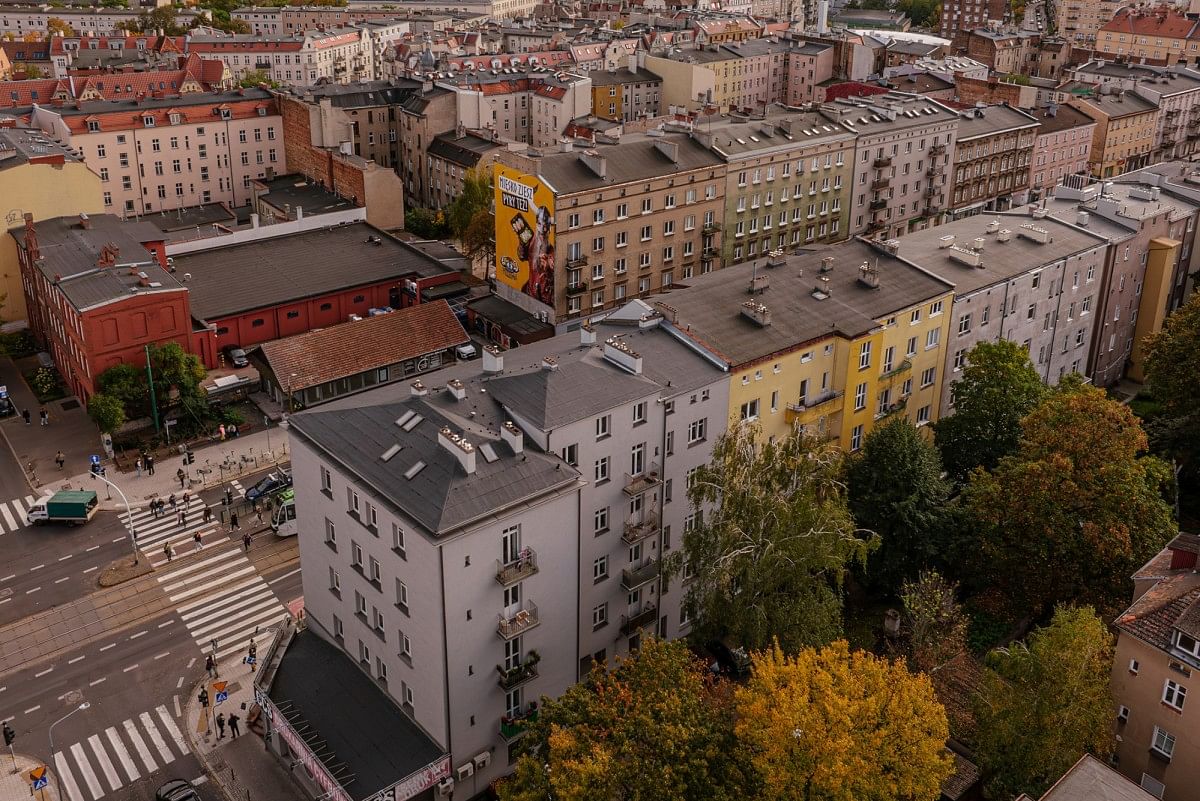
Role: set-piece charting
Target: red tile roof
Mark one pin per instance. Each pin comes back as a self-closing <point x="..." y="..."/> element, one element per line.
<point x="193" y="110"/>
<point x="1163" y="22"/>
<point x="26" y="93"/>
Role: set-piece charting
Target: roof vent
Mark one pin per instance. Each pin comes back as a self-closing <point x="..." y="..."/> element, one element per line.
<point x="758" y="312"/>
<point x="868" y="275"/>
<point x="1040" y="213"/>
<point x="759" y="282"/>
<point x="549" y="363"/>
<point x="1083" y="218"/>
<point x="1003" y="235"/>
<point x="458" y="446"/>
<point x="1035" y="233"/>
<point x="623" y="356"/>
<point x="493" y="359"/>
<point x="418" y="389"/>
<point x="457" y="389"/>
<point x="587" y="334"/>
<point x="827" y="265"/>
<point x="946" y="241"/>
<point x="971" y="258"/>
<point x="978" y="243"/>
<point x="993" y="226"/>
<point x="822" y="290"/>
<point x="776" y="258"/>
<point x="512" y="436"/>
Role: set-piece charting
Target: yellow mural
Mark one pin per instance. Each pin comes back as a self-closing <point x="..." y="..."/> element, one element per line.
<point x="524" y="234"/>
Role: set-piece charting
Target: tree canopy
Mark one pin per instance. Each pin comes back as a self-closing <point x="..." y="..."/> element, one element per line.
<point x="1046" y="702"/>
<point x="841" y="725"/>
<point x="1077" y="508"/>
<point x="106" y="411"/>
<point x="937" y="625"/>
<point x="772" y="541"/>
<point x="471" y="220"/>
<point x="1173" y="373"/>
<point x="997" y="388"/>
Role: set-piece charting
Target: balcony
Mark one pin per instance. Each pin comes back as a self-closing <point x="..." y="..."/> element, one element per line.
<point x="523" y="567"/>
<point x="934" y="170"/>
<point x="876" y="225"/>
<point x="642" y="482"/>
<point x="576" y="288"/>
<point x="513" y="726"/>
<point x="631" y="624"/>
<point x="880" y="183"/>
<point x="898" y="369"/>
<point x="709" y="252"/>
<point x="519" y="622"/>
<point x="519" y="674"/>
<point x="937" y="150"/>
<point x="876" y="205"/>
<point x="807" y="404"/>
<point x="711" y="228"/>
<point x="881" y="163"/>
<point x="262" y="65"/>
<point x="1174" y="112"/>
<point x="634" y="577"/>
<point x="638" y="530"/>
<point x="575" y="262"/>
<point x="893" y="408"/>
<point x="930" y="190"/>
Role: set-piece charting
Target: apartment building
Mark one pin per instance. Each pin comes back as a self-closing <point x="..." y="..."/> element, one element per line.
<point x="903" y="158"/>
<point x="1126" y="125"/>
<point x="1063" y="147"/>
<point x="833" y="339"/>
<point x="363" y="115"/>
<point x="532" y="106"/>
<point x="96" y="20"/>
<point x="1003" y="52"/>
<point x="809" y="66"/>
<point x="992" y="155"/>
<point x="1022" y="276"/>
<point x="336" y="55"/>
<point x="274" y="21"/>
<point x="788" y="183"/>
<point x="1157" y="655"/>
<point x="1175" y="90"/>
<point x="1079" y="21"/>
<point x="626" y="94"/>
<point x="423" y="116"/>
<point x="1152" y="35"/>
<point x="165" y="153"/>
<point x="581" y="231"/>
<point x="454" y="154"/>
<point x="602" y="55"/>
<point x="533" y="523"/>
<point x="751" y="75"/>
<point x="960" y="15"/>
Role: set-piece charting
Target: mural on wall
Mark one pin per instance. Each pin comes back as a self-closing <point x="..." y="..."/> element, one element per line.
<point x="524" y="234"/>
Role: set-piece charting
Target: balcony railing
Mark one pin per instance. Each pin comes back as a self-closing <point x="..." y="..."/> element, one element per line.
<point x="935" y="169"/>
<point x="898" y="369"/>
<point x="513" y="726"/>
<point x="642" y="482"/>
<point x="519" y="674"/>
<point x="930" y="190"/>
<point x="576" y="288"/>
<point x="522" y="567"/>
<point x="807" y="404"/>
<point x="885" y="161"/>
<point x="634" y="577"/>
<point x="709" y="252"/>
<point x="574" y="262"/>
<point x="638" y="530"/>
<point x="937" y="150"/>
<point x="711" y="228"/>
<point x="880" y="183"/>
<point x="632" y="623"/>
<point x="524" y="619"/>
<point x="876" y="205"/>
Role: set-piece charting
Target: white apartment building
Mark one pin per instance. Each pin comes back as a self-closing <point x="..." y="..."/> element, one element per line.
<point x="97" y="20"/>
<point x="166" y="153"/>
<point x="339" y="55"/>
<point x="522" y="105"/>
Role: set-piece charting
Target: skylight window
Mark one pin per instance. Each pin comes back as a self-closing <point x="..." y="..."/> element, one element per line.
<point x="390" y="452"/>
<point x="411" y="472"/>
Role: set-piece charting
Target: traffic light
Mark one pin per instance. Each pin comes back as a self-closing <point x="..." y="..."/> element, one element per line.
<point x="203" y="697"/>
<point x="189" y="457"/>
<point x="9" y="735"/>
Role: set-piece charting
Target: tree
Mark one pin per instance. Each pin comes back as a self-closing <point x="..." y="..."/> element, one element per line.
<point x="255" y="78"/>
<point x="29" y="71"/>
<point x="107" y="412"/>
<point x="998" y="387"/>
<point x="1076" y="510"/>
<point x="836" y="725"/>
<point x="936" y="622"/>
<point x="163" y="17"/>
<point x="177" y="373"/>
<point x="656" y="726"/>
<point x="769" y="560"/>
<point x="476" y="196"/>
<point x="1044" y="703"/>
<point x="896" y="490"/>
<point x="1173" y="373"/>
<point x="479" y="240"/>
<point x="426" y="224"/>
<point x="58" y="27"/>
<point x="126" y="383"/>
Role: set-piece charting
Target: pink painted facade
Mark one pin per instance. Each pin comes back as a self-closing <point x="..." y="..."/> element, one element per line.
<point x="808" y="67"/>
<point x="1062" y="147"/>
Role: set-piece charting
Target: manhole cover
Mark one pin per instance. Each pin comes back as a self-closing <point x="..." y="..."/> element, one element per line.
<point x="68" y="405"/>
<point x="7" y="591"/>
<point x="72" y="698"/>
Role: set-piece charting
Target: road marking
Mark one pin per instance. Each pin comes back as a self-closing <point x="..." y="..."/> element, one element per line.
<point x="106" y="765"/>
<point x="93" y="548"/>
<point x="110" y="645"/>
<point x="12" y="523"/>
<point x="6" y="600"/>
<point x="131" y="667"/>
<point x="31" y="592"/>
<point x="183" y="571"/>
<point x="179" y="683"/>
<point x="9" y="578"/>
<point x="61" y="580"/>
<point x="165" y="624"/>
<point x="85" y="768"/>
<point x="119" y="539"/>
<point x="183" y="587"/>
<point x="97" y="681"/>
<point x="43" y="673"/>
<point x="199" y="780"/>
<point x="178" y="712"/>
<point x="190" y="610"/>
<point x="156" y="737"/>
<point x="193" y="591"/>
<point x="90" y="569"/>
<point x="76" y="659"/>
<point x="164" y="653"/>
<point x="65" y="778"/>
<point x="140" y="745"/>
<point x="122" y="754"/>
<point x="226" y="614"/>
<point x="191" y="662"/>
<point x="171" y="728"/>
<point x="39" y="567"/>
<point x="32" y="709"/>
<point x="141" y="633"/>
<point x="65" y="558"/>
<point x="284" y="576"/>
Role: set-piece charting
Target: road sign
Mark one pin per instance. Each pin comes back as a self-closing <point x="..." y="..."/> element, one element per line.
<point x="38" y="777"/>
<point x="95" y="459"/>
<point x="222" y="693"/>
<point x="3" y="391"/>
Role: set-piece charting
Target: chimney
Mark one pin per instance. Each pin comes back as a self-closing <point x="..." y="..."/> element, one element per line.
<point x="587" y="334"/>
<point x="457" y="389"/>
<point x="549" y="363"/>
<point x="757" y="312"/>
<point x="253" y="220"/>
<point x="418" y="389"/>
<point x="1003" y="235"/>
<point x="595" y="162"/>
<point x="493" y="359"/>
<point x="458" y="446"/>
<point x="1082" y="218"/>
<point x="1183" y="552"/>
<point x="512" y="436"/>
<point x="623" y="356"/>
<point x="668" y="149"/>
<point x="85" y="222"/>
<point x="566" y="145"/>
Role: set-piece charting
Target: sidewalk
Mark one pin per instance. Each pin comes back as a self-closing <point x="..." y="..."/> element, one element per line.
<point x="243" y="767"/>
<point x="246" y="454"/>
<point x="16" y="786"/>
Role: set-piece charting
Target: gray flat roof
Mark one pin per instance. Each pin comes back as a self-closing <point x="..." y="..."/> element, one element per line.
<point x="1091" y="780"/>
<point x="992" y="120"/>
<point x="747" y="138"/>
<point x="636" y="158"/>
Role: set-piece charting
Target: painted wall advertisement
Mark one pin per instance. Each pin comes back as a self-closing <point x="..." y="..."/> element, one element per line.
<point x="524" y="234"/>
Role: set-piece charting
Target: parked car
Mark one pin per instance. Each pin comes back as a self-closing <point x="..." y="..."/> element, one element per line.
<point x="177" y="790"/>
<point x="237" y="357"/>
<point x="6" y="407"/>
<point x="276" y="482"/>
<point x="466" y="352"/>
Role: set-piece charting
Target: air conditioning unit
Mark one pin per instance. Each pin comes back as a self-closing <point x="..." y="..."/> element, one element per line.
<point x="445" y="787"/>
<point x="482" y="760"/>
<point x="464" y="772"/>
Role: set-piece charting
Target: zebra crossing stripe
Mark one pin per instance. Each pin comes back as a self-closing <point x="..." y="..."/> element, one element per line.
<point x="106" y="765"/>
<point x="66" y="779"/>
<point x="156" y="738"/>
<point x="193" y="591"/>
<point x="12" y="524"/>
<point x="140" y="745"/>
<point x="85" y="770"/>
<point x="122" y="754"/>
<point x="193" y="567"/>
<point x="172" y="729"/>
<point x="189" y="610"/>
<point x="237" y="604"/>
<point x="263" y="609"/>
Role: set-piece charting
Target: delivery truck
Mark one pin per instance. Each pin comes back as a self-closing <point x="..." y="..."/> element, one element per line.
<point x="69" y="506"/>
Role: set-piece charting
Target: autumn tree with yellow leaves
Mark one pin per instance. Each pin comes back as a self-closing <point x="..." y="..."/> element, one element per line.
<point x="841" y="725"/>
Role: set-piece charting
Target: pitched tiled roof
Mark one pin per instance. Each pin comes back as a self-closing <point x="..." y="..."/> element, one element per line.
<point x="344" y="350"/>
<point x="1164" y="22"/>
<point x="1160" y="609"/>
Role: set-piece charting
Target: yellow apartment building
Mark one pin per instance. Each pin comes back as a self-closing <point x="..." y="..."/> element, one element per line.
<point x="835" y="340"/>
<point x="1124" y="135"/>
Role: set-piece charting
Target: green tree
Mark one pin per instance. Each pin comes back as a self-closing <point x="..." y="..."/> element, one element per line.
<point x="127" y="384"/>
<point x="841" y="725"/>
<point x="426" y="224"/>
<point x="937" y="625"/>
<point x="255" y="78"/>
<point x="163" y="17"/>
<point x="479" y="240"/>
<point x="1045" y="703"/>
<point x="896" y="490"/>
<point x="771" y="543"/>
<point x="107" y="412"/>
<point x="1173" y="373"/>
<point x="476" y="196"/>
<point x="656" y="727"/>
<point x="998" y="387"/>
<point x="1077" y="509"/>
<point x="177" y="374"/>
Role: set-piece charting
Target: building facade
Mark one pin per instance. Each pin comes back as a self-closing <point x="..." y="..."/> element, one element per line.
<point x="626" y="94"/>
<point x="1126" y="124"/>
<point x="1063" y="147"/>
<point x="532" y="107"/>
<point x="337" y="55"/>
<point x="1152" y="35"/>
<point x="968" y="14"/>
<point x="992" y="157"/>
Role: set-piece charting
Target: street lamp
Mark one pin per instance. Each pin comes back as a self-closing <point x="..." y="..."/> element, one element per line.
<point x="128" y="515"/>
<point x="80" y="708"/>
<point x="290" y="379"/>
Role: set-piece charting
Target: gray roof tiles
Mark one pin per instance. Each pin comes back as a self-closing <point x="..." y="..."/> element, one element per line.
<point x="635" y="159"/>
<point x="552" y="398"/>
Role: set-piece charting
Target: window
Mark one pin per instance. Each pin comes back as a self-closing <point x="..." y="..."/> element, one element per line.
<point x="911" y="349"/>
<point x="960" y="358"/>
<point x="364" y="653"/>
<point x="602" y="426"/>
<point x="335" y="582"/>
<point x="601" y="469"/>
<point x="1134" y="666"/>
<point x="360" y="604"/>
<point x="750" y="410"/>
<point x="402" y="596"/>
<point x="935" y="308"/>
<point x="1174" y="695"/>
<point x="398" y="541"/>
<point x="356" y="555"/>
<point x="856" y="435"/>
<point x="639" y="413"/>
<point x="932" y="337"/>
<point x="928" y="376"/>
<point x="1153" y="786"/>
<point x="860" y="397"/>
<point x="600" y="520"/>
<point x="923" y="415"/>
<point x="600" y="569"/>
<point x="864" y="355"/>
<point x="599" y="616"/>
<point x="1163" y="742"/>
<point x="570" y="454"/>
<point x="330" y="534"/>
<point x="697" y="430"/>
<point x="915" y="317"/>
<point x="964" y="324"/>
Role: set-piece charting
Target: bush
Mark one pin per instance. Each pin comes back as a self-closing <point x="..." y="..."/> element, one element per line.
<point x="46" y="384"/>
<point x="18" y="344"/>
<point x="107" y="412"/>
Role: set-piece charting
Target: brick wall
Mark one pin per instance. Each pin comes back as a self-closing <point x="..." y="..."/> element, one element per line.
<point x="973" y="90"/>
<point x="342" y="174"/>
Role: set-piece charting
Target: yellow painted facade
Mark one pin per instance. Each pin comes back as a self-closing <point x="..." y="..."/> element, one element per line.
<point x="1152" y="306"/>
<point x="608" y="102"/>
<point x="46" y="191"/>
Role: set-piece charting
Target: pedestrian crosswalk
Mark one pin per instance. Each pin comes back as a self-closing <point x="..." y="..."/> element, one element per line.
<point x="79" y="768"/>
<point x="12" y="513"/>
<point x="154" y="532"/>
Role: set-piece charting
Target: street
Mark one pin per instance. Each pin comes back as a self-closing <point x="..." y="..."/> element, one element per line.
<point x="132" y="652"/>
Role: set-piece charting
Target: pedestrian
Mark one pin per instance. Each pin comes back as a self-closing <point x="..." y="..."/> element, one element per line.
<point x="45" y="415"/>
<point x="187" y="498"/>
<point x="207" y="513"/>
<point x="60" y="459"/>
<point x="138" y="466"/>
<point x="196" y="538"/>
<point x="157" y="506"/>
<point x="228" y="495"/>
<point x="171" y="500"/>
<point x="182" y="518"/>
<point x="252" y="656"/>
<point x="25" y="416"/>
<point x="233" y="726"/>
<point x="179" y="474"/>
<point x="210" y="665"/>
<point x="168" y="551"/>
<point x="258" y="512"/>
<point x="246" y="541"/>
<point x="233" y="522"/>
<point x="150" y="465"/>
<point x="221" y="725"/>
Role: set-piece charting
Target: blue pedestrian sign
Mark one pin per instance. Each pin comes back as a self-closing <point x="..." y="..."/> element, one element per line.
<point x="222" y="696"/>
<point x="95" y="459"/>
<point x="222" y="691"/>
<point x="38" y="777"/>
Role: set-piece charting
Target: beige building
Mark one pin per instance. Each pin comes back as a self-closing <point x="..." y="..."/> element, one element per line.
<point x="454" y="154"/>
<point x="1126" y="124"/>
<point x="337" y="55"/>
<point x="1149" y="35"/>
<point x="1157" y="656"/>
<point x="533" y="107"/>
<point x="165" y="153"/>
<point x="992" y="155"/>
<point x="1079" y="21"/>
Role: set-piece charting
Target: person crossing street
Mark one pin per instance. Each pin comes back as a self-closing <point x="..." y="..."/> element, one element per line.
<point x="168" y="551"/>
